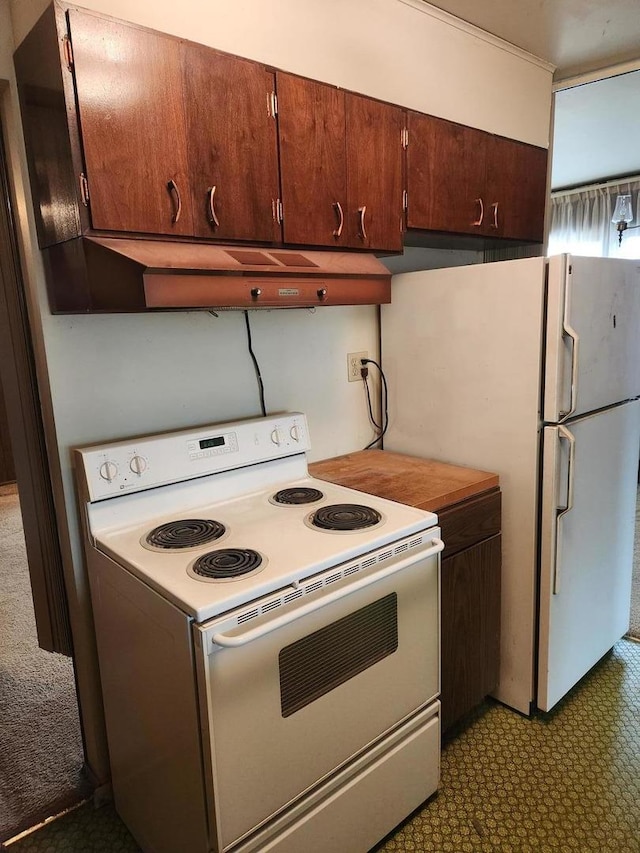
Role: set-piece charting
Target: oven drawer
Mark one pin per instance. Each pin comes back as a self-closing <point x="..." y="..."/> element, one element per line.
<point x="359" y="806"/>
<point x="290" y="700"/>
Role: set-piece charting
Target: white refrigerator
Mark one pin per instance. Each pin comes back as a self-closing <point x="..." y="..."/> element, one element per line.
<point x="531" y="369"/>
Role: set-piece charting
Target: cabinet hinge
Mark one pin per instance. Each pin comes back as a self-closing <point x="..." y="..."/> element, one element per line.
<point x="405" y="200"/>
<point x="276" y="209"/>
<point x="84" y="189"/>
<point x="272" y="104"/>
<point x="404" y="138"/>
<point x="67" y="51"/>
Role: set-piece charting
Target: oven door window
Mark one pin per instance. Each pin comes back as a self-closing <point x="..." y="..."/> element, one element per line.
<point x="322" y="661"/>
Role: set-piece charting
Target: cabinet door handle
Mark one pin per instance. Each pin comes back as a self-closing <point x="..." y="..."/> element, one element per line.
<point x="478" y="221"/>
<point x="338" y="209"/>
<point x="494" y="224"/>
<point x="175" y="194"/>
<point x="213" y="219"/>
<point x="363" y="212"/>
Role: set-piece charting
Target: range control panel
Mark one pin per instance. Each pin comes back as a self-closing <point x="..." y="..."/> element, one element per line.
<point x="144" y="463"/>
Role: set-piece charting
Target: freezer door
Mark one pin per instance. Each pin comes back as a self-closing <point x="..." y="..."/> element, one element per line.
<point x="592" y="356"/>
<point x="589" y="483"/>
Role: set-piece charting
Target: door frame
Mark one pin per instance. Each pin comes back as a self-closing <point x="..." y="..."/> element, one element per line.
<point x="18" y="374"/>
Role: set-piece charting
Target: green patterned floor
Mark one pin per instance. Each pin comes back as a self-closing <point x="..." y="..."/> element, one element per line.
<point x="567" y="781"/>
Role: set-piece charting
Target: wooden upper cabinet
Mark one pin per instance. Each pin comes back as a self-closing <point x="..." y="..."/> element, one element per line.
<point x="517" y="189"/>
<point x="232" y="145"/>
<point x="342" y="167"/>
<point x="130" y="103"/>
<point x="311" y="122"/>
<point x="375" y="174"/>
<point x="466" y="181"/>
<point x="445" y="175"/>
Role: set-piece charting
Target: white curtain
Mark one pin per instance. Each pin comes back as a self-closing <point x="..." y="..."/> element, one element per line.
<point x="581" y="221"/>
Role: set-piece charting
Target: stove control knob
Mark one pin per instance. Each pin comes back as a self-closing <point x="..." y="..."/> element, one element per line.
<point x="138" y="465"/>
<point x="108" y="471"/>
<point x="275" y="436"/>
<point x="294" y="432"/>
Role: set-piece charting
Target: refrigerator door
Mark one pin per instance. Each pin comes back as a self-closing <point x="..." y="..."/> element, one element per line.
<point x="593" y="346"/>
<point x="461" y="348"/>
<point x="589" y="483"/>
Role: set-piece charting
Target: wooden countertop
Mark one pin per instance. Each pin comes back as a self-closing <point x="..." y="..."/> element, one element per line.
<point x="422" y="483"/>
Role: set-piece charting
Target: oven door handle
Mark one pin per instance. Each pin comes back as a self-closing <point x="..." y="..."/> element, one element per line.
<point x="226" y="641"/>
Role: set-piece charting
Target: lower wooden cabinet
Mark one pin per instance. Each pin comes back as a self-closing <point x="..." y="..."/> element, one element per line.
<point x="470" y="638"/>
<point x="470" y="602"/>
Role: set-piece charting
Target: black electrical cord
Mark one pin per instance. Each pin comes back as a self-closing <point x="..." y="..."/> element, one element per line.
<point x="371" y="418"/>
<point x="255" y="364"/>
<point x="385" y="419"/>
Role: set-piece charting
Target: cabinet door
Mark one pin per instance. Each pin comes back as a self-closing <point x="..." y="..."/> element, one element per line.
<point x="516" y="189"/>
<point x="375" y="174"/>
<point x="129" y="90"/>
<point x="311" y="122"/>
<point x="232" y="145"/>
<point x="470" y="628"/>
<point x="445" y="175"/>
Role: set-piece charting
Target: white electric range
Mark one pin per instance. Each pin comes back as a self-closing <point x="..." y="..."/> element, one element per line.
<point x="268" y="642"/>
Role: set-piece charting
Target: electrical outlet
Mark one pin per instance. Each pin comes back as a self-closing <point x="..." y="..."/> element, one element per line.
<point x="354" y="365"/>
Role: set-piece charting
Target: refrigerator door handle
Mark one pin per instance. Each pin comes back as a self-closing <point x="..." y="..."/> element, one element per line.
<point x="563" y="433"/>
<point x="575" y="341"/>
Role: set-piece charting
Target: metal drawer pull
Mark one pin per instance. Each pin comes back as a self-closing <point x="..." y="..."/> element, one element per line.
<point x="213" y="219"/>
<point x="563" y="432"/>
<point x="363" y="212"/>
<point x="494" y="224"/>
<point x="338" y="209"/>
<point x="481" y="217"/>
<point x="226" y="641"/>
<point x="175" y="192"/>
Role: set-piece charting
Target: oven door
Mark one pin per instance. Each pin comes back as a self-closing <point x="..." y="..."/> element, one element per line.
<point x="300" y="691"/>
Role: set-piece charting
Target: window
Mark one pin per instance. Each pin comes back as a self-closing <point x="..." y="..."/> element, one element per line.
<point x="581" y="221"/>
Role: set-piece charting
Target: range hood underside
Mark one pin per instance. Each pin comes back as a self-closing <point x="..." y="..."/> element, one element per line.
<point x="111" y="274"/>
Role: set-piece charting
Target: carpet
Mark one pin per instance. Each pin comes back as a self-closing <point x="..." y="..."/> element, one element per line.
<point x="41" y="755"/>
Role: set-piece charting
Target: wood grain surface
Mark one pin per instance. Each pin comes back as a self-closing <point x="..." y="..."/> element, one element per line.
<point x="423" y="483"/>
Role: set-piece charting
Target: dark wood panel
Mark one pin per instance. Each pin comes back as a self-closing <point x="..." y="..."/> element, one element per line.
<point x="232" y="145"/>
<point x="311" y="122"/>
<point x="517" y="184"/>
<point x="445" y="175"/>
<point x="7" y="469"/>
<point x="470" y="521"/>
<point x="54" y="180"/>
<point x="29" y="446"/>
<point x="470" y="641"/>
<point x="375" y="174"/>
<point x="129" y="87"/>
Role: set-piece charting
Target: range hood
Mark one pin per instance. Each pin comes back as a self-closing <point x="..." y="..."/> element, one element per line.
<point x="95" y="273"/>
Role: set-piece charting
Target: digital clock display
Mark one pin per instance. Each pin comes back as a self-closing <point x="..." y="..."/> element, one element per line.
<point x="218" y="441"/>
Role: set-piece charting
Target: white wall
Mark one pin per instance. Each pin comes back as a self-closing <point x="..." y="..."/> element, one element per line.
<point x="117" y="375"/>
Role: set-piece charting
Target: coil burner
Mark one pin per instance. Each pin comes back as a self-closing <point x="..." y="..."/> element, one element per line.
<point x="227" y="564"/>
<point x="183" y="533"/>
<point x="345" y="517"/>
